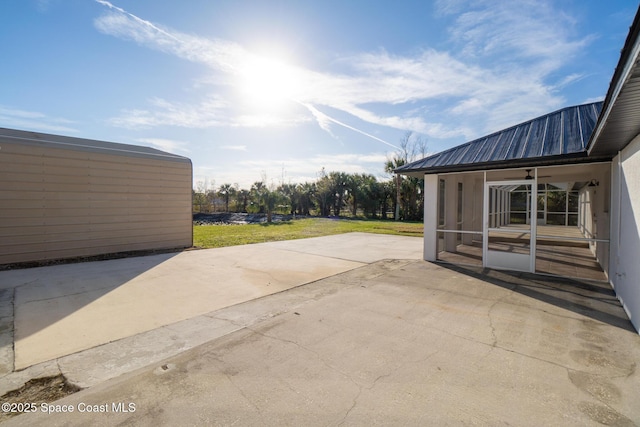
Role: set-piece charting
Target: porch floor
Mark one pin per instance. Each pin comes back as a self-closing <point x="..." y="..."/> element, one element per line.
<point x="568" y="258"/>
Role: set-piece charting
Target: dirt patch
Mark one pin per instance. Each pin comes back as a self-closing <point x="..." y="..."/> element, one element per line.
<point x="30" y="396"/>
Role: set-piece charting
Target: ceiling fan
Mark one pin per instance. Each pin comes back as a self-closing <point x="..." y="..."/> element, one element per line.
<point x="528" y="177"/>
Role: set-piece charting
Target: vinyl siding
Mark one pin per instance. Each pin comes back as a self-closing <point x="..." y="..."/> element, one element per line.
<point x="57" y="201"/>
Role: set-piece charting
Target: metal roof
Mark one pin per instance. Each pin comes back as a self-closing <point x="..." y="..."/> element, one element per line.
<point x="555" y="138"/>
<point x="81" y="144"/>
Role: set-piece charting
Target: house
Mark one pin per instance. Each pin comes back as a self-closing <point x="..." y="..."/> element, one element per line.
<point x="63" y="197"/>
<point x="559" y="194"/>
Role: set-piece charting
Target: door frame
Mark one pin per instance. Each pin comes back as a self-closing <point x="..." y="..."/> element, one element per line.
<point x="506" y="260"/>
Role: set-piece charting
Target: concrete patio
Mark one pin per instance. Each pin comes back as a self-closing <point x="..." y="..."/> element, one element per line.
<point x="388" y="342"/>
<point x="61" y="310"/>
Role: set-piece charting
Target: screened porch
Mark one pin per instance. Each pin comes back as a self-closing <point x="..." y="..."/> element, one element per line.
<point x="485" y="219"/>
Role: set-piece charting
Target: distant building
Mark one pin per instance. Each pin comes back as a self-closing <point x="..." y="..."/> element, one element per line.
<point x="575" y="171"/>
<point x="63" y="197"/>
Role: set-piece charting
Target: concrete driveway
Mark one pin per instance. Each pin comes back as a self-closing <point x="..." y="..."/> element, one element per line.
<point x="389" y="342"/>
<point x="60" y="310"/>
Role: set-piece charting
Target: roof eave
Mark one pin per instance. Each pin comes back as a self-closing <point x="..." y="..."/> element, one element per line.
<point x="626" y="68"/>
<point x="565" y="159"/>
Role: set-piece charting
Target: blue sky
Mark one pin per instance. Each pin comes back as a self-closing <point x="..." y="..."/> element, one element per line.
<point x="281" y="89"/>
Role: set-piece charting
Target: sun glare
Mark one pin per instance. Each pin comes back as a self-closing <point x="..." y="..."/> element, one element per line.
<point x="268" y="83"/>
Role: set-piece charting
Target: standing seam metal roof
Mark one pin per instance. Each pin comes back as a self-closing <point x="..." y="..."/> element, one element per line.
<point x="562" y="132"/>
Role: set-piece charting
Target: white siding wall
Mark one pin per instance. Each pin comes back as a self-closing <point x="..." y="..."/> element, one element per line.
<point x="624" y="267"/>
<point x="60" y="202"/>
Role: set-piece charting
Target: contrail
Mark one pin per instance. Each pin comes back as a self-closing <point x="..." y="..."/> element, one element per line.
<point x="183" y="49"/>
<point x="322" y="116"/>
<point x="140" y="20"/>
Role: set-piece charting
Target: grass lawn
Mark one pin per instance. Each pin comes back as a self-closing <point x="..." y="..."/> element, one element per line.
<point x="217" y="236"/>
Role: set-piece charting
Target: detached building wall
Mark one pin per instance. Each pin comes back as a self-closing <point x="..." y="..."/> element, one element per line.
<point x="64" y="197"/>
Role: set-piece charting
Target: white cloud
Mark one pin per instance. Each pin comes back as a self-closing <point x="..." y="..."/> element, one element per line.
<point x="527" y="29"/>
<point x="509" y="51"/>
<point x="218" y="54"/>
<point x="594" y="99"/>
<point x="234" y="147"/>
<point x="287" y="170"/>
<point x="43" y="5"/>
<point x="323" y="120"/>
<point x="33" y="120"/>
<point x="207" y="114"/>
<point x="266" y="120"/>
<point x="570" y="79"/>
<point x="168" y="145"/>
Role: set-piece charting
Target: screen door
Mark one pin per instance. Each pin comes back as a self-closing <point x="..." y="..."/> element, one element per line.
<point x="508" y="232"/>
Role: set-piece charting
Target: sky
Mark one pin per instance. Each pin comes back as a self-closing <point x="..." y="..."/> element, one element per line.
<point x="280" y="90"/>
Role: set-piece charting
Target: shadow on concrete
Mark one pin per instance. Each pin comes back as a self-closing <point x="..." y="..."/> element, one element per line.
<point x="45" y="295"/>
<point x="596" y="300"/>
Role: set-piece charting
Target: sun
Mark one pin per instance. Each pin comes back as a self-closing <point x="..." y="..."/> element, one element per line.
<point x="268" y="83"/>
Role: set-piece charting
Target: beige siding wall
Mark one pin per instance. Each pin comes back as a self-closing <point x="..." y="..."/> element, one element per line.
<point x="60" y="203"/>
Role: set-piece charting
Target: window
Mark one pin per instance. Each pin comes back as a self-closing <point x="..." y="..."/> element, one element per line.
<point x="520" y="210"/>
<point x="557" y="204"/>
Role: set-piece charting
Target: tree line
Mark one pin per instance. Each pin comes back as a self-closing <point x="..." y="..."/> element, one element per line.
<point x="332" y="194"/>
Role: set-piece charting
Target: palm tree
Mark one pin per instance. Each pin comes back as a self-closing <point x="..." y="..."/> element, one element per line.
<point x="409" y="195"/>
<point x="307" y="193"/>
<point x="265" y="197"/>
<point x="290" y="192"/>
<point x="226" y="191"/>
<point x="242" y="199"/>
<point x="338" y="183"/>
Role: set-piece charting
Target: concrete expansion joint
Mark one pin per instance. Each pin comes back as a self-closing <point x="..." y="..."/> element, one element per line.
<point x="214" y="316"/>
<point x="66" y="295"/>
<point x="325" y="256"/>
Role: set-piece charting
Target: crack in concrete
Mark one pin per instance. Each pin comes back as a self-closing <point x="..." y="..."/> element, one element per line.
<point x="315" y="353"/>
<point x="361" y="387"/>
<point x="496" y="346"/>
<point x="491" y="325"/>
<point x="378" y="378"/>
<point x="324" y="362"/>
<point x="353" y="405"/>
<point x="237" y="387"/>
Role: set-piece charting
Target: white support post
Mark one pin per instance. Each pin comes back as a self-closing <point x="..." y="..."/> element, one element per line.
<point x="451" y="213"/>
<point x="430" y="217"/>
<point x="467" y="208"/>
